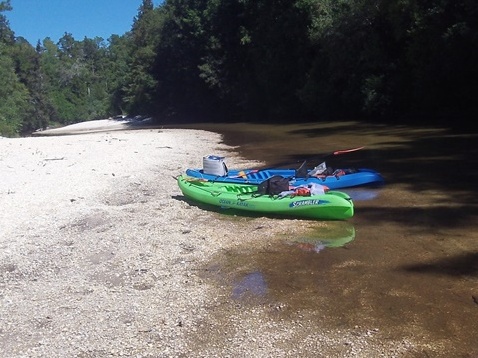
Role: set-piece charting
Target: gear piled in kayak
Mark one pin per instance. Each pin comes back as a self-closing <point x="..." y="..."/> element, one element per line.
<point x="332" y="178"/>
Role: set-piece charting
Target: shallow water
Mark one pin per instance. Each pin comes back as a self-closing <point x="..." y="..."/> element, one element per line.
<point x="410" y="263"/>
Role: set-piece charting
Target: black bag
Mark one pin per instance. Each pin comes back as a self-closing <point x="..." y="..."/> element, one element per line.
<point x="274" y="185"/>
<point x="302" y="171"/>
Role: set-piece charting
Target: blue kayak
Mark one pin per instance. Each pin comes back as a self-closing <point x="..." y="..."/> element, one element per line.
<point x="336" y="179"/>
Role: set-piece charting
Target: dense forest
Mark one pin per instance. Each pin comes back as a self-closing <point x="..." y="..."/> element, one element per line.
<point x="251" y="60"/>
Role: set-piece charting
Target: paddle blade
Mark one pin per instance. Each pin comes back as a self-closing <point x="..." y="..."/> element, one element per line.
<point x="337" y="152"/>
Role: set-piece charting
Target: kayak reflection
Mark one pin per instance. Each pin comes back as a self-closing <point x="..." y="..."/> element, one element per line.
<point x="362" y="194"/>
<point x="332" y="235"/>
<point x="327" y="235"/>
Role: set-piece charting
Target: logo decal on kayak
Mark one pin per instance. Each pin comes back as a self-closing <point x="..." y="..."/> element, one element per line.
<point x="226" y="202"/>
<point x="307" y="203"/>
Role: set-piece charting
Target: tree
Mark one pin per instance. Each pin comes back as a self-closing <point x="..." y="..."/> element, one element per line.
<point x="29" y="72"/>
<point x="246" y="57"/>
<point x="143" y="40"/>
<point x="6" y="34"/>
<point x="117" y="73"/>
<point x="13" y="96"/>
<point x="440" y="57"/>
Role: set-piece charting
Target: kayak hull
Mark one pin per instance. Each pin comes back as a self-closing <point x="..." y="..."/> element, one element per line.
<point x="333" y="205"/>
<point x="360" y="177"/>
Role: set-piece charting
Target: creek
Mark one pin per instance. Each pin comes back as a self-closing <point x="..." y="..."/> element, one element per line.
<point x="408" y="260"/>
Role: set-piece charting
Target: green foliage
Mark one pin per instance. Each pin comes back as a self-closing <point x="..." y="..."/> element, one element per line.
<point x="178" y="57"/>
<point x="13" y="96"/>
<point x="79" y="74"/>
<point x="140" y="83"/>
<point x="251" y="60"/>
<point x="6" y="34"/>
<point x="28" y="69"/>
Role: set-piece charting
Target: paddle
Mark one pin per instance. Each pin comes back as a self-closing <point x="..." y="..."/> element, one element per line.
<point x="321" y="157"/>
<point x="244" y="174"/>
<point x="321" y="168"/>
<point x="337" y="152"/>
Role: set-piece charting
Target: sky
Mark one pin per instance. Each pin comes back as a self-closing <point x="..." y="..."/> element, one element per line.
<point x="37" y="19"/>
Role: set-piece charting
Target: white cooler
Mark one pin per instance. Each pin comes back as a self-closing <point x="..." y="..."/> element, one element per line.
<point x="214" y="165"/>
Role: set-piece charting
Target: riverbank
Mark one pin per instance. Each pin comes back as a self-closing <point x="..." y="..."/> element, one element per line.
<point x="101" y="256"/>
<point x="98" y="250"/>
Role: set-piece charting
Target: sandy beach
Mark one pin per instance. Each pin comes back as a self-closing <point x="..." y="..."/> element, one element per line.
<point x="101" y="256"/>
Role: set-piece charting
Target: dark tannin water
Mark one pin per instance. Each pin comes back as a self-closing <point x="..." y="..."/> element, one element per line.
<point x="408" y="259"/>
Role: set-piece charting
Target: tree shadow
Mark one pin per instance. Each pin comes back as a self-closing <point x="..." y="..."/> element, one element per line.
<point x="421" y="158"/>
<point x="459" y="265"/>
<point x="436" y="217"/>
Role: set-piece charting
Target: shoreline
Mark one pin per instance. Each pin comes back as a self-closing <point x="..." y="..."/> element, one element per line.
<point x="102" y="257"/>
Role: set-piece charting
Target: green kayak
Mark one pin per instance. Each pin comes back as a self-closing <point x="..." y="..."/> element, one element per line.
<point x="332" y="205"/>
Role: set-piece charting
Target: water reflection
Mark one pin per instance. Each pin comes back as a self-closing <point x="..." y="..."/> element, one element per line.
<point x="362" y="194"/>
<point x="252" y="284"/>
<point x="333" y="235"/>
